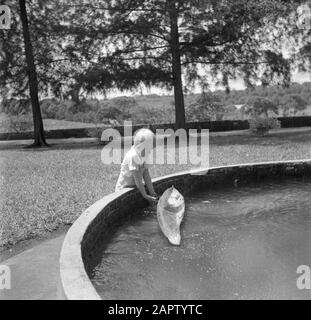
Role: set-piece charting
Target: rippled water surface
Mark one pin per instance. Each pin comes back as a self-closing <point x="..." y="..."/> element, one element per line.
<point x="237" y="243"/>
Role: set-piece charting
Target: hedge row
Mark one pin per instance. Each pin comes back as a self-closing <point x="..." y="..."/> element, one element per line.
<point x="213" y="126"/>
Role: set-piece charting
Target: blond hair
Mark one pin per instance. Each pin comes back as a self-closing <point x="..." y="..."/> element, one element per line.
<point x="143" y="135"/>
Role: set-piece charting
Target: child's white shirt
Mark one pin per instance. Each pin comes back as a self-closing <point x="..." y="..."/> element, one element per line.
<point x="131" y="162"/>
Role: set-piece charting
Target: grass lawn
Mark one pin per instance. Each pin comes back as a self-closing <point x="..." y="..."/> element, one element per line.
<point x="42" y="190"/>
<point x="54" y="124"/>
<point x="51" y="124"/>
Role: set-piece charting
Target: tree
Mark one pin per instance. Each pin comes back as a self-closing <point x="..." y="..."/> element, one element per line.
<point x="27" y="59"/>
<point x="19" y="62"/>
<point x="301" y="34"/>
<point x="177" y="43"/>
<point x="39" y="139"/>
<point x="93" y="46"/>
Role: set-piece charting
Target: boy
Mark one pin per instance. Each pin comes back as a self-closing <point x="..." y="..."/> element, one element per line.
<point x="134" y="168"/>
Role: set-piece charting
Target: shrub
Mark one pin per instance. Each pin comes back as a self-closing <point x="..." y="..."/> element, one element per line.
<point x="260" y="106"/>
<point x="52" y="111"/>
<point x="64" y="110"/>
<point x="260" y="126"/>
<point x="74" y="107"/>
<point x="69" y="116"/>
<point x="45" y="105"/>
<point x="15" y="107"/>
<point x="101" y="114"/>
<point x="90" y="117"/>
<point x="113" y="113"/>
<point x="153" y="115"/>
<point x="61" y="112"/>
<point x="18" y="123"/>
<point x="89" y="105"/>
<point x="78" y="117"/>
<point x="124" y="103"/>
<point x="207" y="107"/>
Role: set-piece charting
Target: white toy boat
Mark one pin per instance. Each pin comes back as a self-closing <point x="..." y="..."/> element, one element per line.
<point x="170" y="212"/>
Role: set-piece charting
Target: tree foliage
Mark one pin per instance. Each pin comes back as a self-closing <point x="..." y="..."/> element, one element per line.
<point x="94" y="46"/>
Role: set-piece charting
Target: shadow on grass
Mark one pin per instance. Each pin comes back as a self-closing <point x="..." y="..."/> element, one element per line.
<point x="25" y="146"/>
<point x="230" y="139"/>
<point x="271" y="139"/>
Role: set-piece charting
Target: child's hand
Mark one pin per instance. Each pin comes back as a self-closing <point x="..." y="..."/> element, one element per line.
<point x="151" y="199"/>
<point x="153" y="194"/>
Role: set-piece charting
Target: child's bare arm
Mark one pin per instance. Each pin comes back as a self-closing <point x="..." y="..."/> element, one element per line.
<point x="148" y="183"/>
<point x="139" y="184"/>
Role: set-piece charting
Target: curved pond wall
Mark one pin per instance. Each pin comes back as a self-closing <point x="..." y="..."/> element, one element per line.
<point x="83" y="243"/>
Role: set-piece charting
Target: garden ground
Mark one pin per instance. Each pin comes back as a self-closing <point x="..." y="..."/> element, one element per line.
<point x="47" y="189"/>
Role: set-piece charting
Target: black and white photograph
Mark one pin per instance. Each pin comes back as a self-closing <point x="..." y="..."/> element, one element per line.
<point x="155" y="151"/>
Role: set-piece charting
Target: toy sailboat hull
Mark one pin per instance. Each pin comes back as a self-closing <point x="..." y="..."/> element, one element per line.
<point x="170" y="213"/>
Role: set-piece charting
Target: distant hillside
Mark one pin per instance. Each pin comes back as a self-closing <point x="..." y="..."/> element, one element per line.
<point x="292" y="101"/>
<point x="241" y="96"/>
<point x="282" y="97"/>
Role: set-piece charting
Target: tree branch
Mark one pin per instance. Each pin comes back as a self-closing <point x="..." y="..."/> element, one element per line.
<point x="115" y="9"/>
<point x="225" y="62"/>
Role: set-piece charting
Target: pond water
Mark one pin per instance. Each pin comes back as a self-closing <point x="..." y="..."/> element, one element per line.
<point x="237" y="243"/>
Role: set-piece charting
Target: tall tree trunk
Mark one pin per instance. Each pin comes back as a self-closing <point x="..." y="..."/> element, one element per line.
<point x="176" y="67"/>
<point x="39" y="139"/>
<point x="74" y="93"/>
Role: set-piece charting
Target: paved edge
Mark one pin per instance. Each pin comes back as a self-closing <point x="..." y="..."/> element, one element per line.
<point x="35" y="273"/>
<point x="75" y="281"/>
